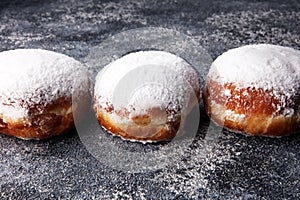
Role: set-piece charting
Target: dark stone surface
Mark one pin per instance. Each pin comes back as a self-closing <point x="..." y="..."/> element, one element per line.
<point x="236" y="166"/>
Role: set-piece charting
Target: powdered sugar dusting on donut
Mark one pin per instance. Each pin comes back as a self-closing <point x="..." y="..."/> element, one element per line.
<point x="265" y="69"/>
<point x="150" y="78"/>
<point x="261" y="66"/>
<point x="268" y="67"/>
<point x="30" y="77"/>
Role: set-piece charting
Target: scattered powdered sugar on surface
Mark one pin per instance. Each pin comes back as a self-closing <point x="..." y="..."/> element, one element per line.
<point x="261" y="66"/>
<point x="147" y="79"/>
<point x="30" y="77"/>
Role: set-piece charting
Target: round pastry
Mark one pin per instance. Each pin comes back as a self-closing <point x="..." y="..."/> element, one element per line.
<point x="146" y="96"/>
<point x="255" y="89"/>
<point x="36" y="88"/>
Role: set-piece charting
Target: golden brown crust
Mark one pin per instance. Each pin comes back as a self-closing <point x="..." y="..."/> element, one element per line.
<point x="138" y="130"/>
<point x="140" y="127"/>
<point x="55" y="119"/>
<point x="252" y="111"/>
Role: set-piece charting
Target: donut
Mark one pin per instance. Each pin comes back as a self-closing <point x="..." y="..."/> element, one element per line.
<point x="255" y="89"/>
<point x="146" y="95"/>
<point x="36" y="90"/>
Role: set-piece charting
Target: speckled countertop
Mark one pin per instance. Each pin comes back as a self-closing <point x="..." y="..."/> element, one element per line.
<point x="236" y="166"/>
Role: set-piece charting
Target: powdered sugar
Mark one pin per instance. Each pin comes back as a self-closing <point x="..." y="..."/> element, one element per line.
<point x="272" y="69"/>
<point x="265" y="66"/>
<point x="227" y="93"/>
<point x="233" y="115"/>
<point x="30" y="77"/>
<point x="147" y="79"/>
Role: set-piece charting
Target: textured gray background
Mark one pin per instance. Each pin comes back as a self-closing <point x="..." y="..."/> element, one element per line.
<point x="237" y="166"/>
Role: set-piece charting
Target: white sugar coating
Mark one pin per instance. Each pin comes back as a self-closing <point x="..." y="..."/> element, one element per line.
<point x="31" y="77"/>
<point x="141" y="97"/>
<point x="265" y="66"/>
<point x="147" y="79"/>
